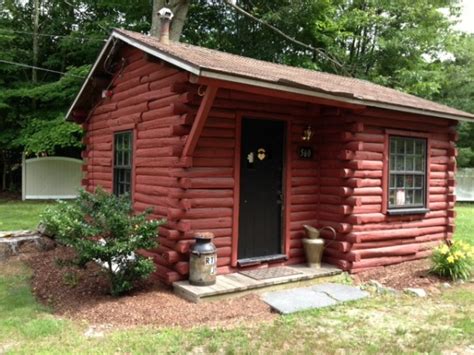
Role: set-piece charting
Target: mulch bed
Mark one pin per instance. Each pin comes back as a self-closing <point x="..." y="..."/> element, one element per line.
<point x="399" y="276"/>
<point x="82" y="294"/>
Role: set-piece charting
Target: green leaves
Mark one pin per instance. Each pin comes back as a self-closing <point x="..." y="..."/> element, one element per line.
<point x="45" y="136"/>
<point x="101" y="227"/>
<point x="42" y="129"/>
<point x="455" y="261"/>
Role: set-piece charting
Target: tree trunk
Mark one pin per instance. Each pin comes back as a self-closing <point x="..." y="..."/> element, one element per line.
<point x="180" y="10"/>
<point x="3" y="161"/>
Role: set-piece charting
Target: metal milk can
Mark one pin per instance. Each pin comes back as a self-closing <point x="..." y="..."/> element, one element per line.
<point x="203" y="260"/>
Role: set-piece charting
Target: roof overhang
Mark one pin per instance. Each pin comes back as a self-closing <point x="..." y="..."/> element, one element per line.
<point x="222" y="76"/>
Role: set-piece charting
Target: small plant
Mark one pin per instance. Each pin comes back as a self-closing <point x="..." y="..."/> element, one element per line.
<point x="71" y="279"/>
<point x="454" y="260"/>
<point x="101" y="227"/>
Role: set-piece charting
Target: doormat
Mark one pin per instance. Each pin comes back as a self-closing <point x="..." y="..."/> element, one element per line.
<point x="270" y="273"/>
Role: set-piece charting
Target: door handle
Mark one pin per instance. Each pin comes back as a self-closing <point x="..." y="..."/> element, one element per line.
<point x="280" y="197"/>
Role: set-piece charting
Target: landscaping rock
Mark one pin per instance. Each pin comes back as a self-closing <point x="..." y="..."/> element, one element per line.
<point x="387" y="290"/>
<point x="378" y="287"/>
<point x="5" y="251"/>
<point x="418" y="292"/>
<point x="17" y="234"/>
<point x="13" y="243"/>
<point x="42" y="230"/>
<point x="446" y="285"/>
<point x="92" y="332"/>
<point x="375" y="283"/>
<point x="46" y="244"/>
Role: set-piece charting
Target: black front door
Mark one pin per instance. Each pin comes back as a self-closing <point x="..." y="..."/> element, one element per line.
<point x="261" y="168"/>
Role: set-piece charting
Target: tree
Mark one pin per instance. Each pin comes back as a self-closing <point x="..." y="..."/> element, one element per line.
<point x="457" y="90"/>
<point x="63" y="36"/>
<point x="180" y="10"/>
<point x="400" y="44"/>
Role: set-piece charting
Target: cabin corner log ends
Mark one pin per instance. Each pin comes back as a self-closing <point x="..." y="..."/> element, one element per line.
<point x="186" y="165"/>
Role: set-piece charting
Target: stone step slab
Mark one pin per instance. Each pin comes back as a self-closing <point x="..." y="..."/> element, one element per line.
<point x="324" y="295"/>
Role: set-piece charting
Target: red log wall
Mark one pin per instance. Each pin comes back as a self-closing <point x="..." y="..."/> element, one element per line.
<point x="373" y="237"/>
<point x="342" y="186"/>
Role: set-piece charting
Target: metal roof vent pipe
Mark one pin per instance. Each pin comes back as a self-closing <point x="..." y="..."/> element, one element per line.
<point x="165" y="15"/>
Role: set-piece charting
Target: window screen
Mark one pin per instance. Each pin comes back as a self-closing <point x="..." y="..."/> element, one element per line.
<point x="407" y="172"/>
<point x="122" y="163"/>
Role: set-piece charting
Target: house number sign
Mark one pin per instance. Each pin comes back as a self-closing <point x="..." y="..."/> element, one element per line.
<point x="305" y="152"/>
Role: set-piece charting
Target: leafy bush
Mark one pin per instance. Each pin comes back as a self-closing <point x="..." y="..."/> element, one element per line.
<point x="455" y="260"/>
<point x="102" y="227"/>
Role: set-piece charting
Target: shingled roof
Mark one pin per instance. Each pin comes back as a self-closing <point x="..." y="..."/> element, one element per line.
<point x="211" y="63"/>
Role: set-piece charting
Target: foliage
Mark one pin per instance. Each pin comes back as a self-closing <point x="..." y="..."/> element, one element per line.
<point x="457" y="90"/>
<point x="101" y="227"/>
<point x="455" y="261"/>
<point x="408" y="45"/>
<point x="465" y="158"/>
<point x="42" y="130"/>
<point x="70" y="34"/>
<point x="379" y="40"/>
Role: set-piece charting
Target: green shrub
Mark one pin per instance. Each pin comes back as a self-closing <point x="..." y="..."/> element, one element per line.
<point x="102" y="227"/>
<point x="454" y="261"/>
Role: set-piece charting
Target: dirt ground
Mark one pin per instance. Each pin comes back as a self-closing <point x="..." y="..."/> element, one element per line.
<point x="81" y="294"/>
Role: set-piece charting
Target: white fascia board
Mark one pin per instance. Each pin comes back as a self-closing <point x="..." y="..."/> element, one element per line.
<point x="159" y="54"/>
<point x="102" y="52"/>
<point x="259" y="83"/>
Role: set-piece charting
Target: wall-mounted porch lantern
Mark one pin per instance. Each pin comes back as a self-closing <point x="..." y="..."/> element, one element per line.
<point x="307" y="134"/>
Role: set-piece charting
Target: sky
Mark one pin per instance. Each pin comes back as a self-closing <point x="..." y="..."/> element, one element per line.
<point x="467" y="17"/>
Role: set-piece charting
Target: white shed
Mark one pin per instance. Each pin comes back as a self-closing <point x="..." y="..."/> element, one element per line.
<point x="465" y="184"/>
<point x="50" y="178"/>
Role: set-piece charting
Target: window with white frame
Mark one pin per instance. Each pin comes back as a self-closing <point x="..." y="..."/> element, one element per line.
<point x="407" y="171"/>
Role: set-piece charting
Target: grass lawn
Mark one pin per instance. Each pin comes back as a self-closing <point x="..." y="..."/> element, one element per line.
<point x="380" y="324"/>
<point x="465" y="222"/>
<point x="17" y="215"/>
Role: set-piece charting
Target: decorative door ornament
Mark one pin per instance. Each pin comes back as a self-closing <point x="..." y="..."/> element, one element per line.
<point x="250" y="157"/>
<point x="261" y="154"/>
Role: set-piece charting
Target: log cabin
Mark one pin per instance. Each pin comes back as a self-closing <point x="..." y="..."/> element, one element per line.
<point x="252" y="151"/>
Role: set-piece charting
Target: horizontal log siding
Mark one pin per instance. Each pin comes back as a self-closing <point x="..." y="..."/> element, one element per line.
<point x="207" y="204"/>
<point x="150" y="99"/>
<point x="375" y="238"/>
<point x="341" y="186"/>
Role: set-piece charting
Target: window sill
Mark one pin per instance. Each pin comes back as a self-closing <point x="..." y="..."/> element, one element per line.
<point x="407" y="211"/>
